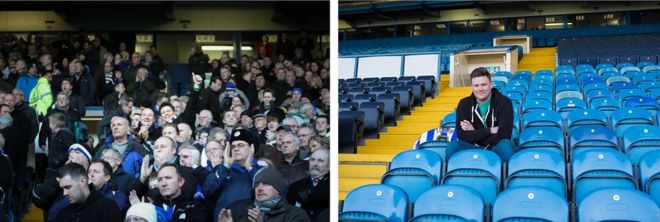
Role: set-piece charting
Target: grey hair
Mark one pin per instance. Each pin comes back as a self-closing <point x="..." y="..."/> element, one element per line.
<point x="296" y="140"/>
<point x="5" y="121"/>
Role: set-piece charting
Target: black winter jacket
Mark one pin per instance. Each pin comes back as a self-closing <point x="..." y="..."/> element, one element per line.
<point x="96" y="208"/>
<point x="500" y="114"/>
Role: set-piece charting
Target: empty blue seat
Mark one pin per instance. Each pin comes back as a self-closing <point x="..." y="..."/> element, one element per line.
<point x="648" y="58"/>
<point x="370" y="79"/>
<point x="624" y="64"/>
<point x="405" y="97"/>
<point x="628" y="59"/>
<point x="531" y="105"/>
<point x="602" y="68"/>
<point x="629" y="68"/>
<point x="598" y="93"/>
<point x="624" y="118"/>
<point x="538" y="168"/>
<point x="618" y="205"/>
<point x="586" y="117"/>
<point x="352" y="125"/>
<point x="345" y="98"/>
<point x="374" y="115"/>
<point x="620" y="86"/>
<point x="568" y="94"/>
<point x="643" y="78"/>
<point x="539" y="95"/>
<point x="649" y="68"/>
<point x="542" y="118"/>
<point x="530" y="204"/>
<point x="479" y="169"/>
<point x="388" y="79"/>
<point x="375" y="202"/>
<point x="568" y="61"/>
<point x="601" y="168"/>
<point x="429" y="84"/>
<point x="515" y="97"/>
<point x="622" y="95"/>
<point x="584" y="80"/>
<point x="407" y="78"/>
<point x="394" y="84"/>
<point x="348" y="106"/>
<point x="365" y="97"/>
<point x="567" y="87"/>
<point x="638" y="140"/>
<point x="565" y="106"/>
<point x="645" y="102"/>
<point x="506" y="74"/>
<point x="374" y="84"/>
<point x="356" y="85"/>
<point x="607" y="105"/>
<point x="392" y="105"/>
<point x="609" y="81"/>
<point x="548" y="138"/>
<point x="543" y="72"/>
<point x="649" y="173"/>
<point x="353" y="80"/>
<point x="419" y="91"/>
<point x="415" y="171"/>
<point x="649" y="86"/>
<point x="588" y="60"/>
<point x="583" y="138"/>
<point x="594" y="86"/>
<point x="449" y="203"/>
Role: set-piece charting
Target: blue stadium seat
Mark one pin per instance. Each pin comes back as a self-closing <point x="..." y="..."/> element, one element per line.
<point x="539" y="95"/>
<point x="479" y="169"/>
<point x="624" y="64"/>
<point x="519" y="83"/>
<point x="429" y="84"/>
<point x="629" y="68"/>
<point x="370" y="79"/>
<point x="365" y="98"/>
<point x="649" y="173"/>
<point x="647" y="66"/>
<point x="622" y="95"/>
<point x="394" y="84"/>
<point x="542" y="83"/>
<point x="391" y="104"/>
<point x="507" y="74"/>
<point x="353" y="80"/>
<point x="348" y="106"/>
<point x="565" y="106"/>
<point x="568" y="95"/>
<point x="530" y="105"/>
<point x="567" y="87"/>
<point x="600" y="168"/>
<point x="598" y="93"/>
<point x="356" y="85"/>
<point x="588" y="60"/>
<point x="449" y="120"/>
<point x="542" y="118"/>
<point x="375" y="202"/>
<point x="638" y="140"/>
<point x="374" y="115"/>
<point x="547" y="138"/>
<point x="607" y="105"/>
<point x="624" y="118"/>
<point x="633" y="73"/>
<point x="418" y="90"/>
<point x="388" y="79"/>
<point x="594" y="86"/>
<point x="584" y="138"/>
<point x="602" y="68"/>
<point x="415" y="171"/>
<point x="407" y="78"/>
<point x="346" y="98"/>
<point x="543" y="72"/>
<point x="449" y="203"/>
<point x="405" y="96"/>
<point x="515" y="97"/>
<point x="352" y="125"/>
<point x="437" y="146"/>
<point x="374" y="84"/>
<point x="620" y="86"/>
<point x="649" y="86"/>
<point x="380" y="90"/>
<point x="643" y="78"/>
<point x="563" y="67"/>
<point x="513" y="90"/>
<point x="618" y="205"/>
<point x="648" y="58"/>
<point x="609" y="81"/>
<point x="537" y="168"/>
<point x="530" y="204"/>
<point x="586" y="117"/>
<point x="628" y="59"/>
<point x="645" y="102"/>
<point x="655" y="93"/>
<point x="568" y="61"/>
<point x="584" y="80"/>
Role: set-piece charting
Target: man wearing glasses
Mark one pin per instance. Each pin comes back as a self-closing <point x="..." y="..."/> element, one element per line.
<point x="233" y="179"/>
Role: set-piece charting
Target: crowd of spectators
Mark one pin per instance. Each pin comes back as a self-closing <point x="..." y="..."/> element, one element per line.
<point x="251" y="143"/>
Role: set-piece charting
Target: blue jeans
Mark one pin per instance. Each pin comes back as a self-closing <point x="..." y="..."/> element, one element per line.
<point x="504" y="148"/>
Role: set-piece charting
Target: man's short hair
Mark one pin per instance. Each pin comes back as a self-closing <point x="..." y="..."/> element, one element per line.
<point x="125" y="99"/>
<point x="479" y="72"/>
<point x="176" y="167"/>
<point x="107" y="169"/>
<point x="114" y="152"/>
<point x="74" y="170"/>
<point x="57" y="119"/>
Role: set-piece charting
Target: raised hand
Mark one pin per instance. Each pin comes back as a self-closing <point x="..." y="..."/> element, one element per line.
<point x="145" y="169"/>
<point x="225" y="216"/>
<point x="254" y="215"/>
<point x="229" y="160"/>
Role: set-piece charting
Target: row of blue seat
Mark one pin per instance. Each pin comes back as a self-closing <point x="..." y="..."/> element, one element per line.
<point x="362" y="114"/>
<point x="632" y="49"/>
<point x="475" y="178"/>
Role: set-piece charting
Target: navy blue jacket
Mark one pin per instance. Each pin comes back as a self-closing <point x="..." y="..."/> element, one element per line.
<point x="233" y="184"/>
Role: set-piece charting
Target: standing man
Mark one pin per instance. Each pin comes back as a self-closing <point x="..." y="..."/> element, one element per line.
<point x="485" y="119"/>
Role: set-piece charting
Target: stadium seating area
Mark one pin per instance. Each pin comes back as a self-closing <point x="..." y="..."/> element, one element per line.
<point x="369" y="105"/>
<point x="589" y="150"/>
<point x="640" y="50"/>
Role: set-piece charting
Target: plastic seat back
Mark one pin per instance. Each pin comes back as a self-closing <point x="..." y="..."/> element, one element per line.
<point x="586" y="117"/>
<point x="479" y="169"/>
<point x="624" y="118"/>
<point x="415" y="171"/>
<point x="601" y="168"/>
<point x="530" y="204"/>
<point x="449" y="203"/>
<point x="537" y="167"/>
<point x="583" y="138"/>
<point x="549" y="138"/>
<point x="542" y="118"/>
<point x="649" y="173"/>
<point x="375" y="202"/>
<point x="638" y="140"/>
<point x="618" y="205"/>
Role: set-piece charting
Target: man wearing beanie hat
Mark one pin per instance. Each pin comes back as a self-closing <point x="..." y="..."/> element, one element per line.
<point x="141" y="212"/>
<point x="269" y="203"/>
<point x="232" y="180"/>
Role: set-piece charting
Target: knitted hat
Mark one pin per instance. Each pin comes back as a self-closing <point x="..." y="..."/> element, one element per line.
<point x="296" y="90"/>
<point x="230" y="86"/>
<point x="82" y="150"/>
<point x="242" y="135"/>
<point x="143" y="210"/>
<point x="258" y="115"/>
<point x="272" y="177"/>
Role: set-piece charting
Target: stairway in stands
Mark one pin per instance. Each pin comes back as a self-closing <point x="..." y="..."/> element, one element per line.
<point x="370" y="162"/>
<point x="539" y="58"/>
